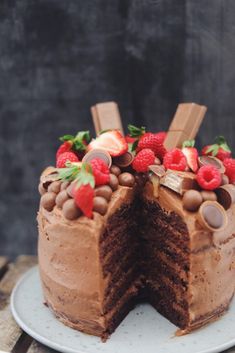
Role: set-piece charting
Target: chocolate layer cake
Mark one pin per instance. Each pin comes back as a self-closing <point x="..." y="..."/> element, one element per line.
<point x="112" y="234"/>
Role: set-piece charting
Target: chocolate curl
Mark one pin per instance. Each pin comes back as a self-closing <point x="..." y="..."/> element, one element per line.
<point x="185" y="124"/>
<point x="106" y="116"/>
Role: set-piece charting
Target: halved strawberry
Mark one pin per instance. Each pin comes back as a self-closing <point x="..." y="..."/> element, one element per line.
<point x="111" y="141"/>
<point x="191" y="155"/>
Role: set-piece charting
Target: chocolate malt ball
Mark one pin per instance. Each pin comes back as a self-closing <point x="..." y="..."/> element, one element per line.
<point x="100" y="205"/>
<point x="48" y="201"/>
<point x="70" y="210"/>
<point x="41" y="189"/>
<point x="55" y="187"/>
<point x="192" y="200"/>
<point x="61" y="198"/>
<point x="208" y="195"/>
<point x="104" y="191"/>
<point x="224" y="179"/>
<point x="126" y="179"/>
<point x="115" y="170"/>
<point x="113" y="182"/>
<point x="64" y="185"/>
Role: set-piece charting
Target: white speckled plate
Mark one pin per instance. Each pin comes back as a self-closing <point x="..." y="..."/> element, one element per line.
<point x="143" y="330"/>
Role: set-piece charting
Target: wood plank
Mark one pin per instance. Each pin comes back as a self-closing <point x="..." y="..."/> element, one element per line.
<point x="231" y="350"/>
<point x="9" y="331"/>
<point x="37" y="347"/>
<point x="3" y="265"/>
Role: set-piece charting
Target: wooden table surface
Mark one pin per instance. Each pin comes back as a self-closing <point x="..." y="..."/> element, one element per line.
<point x="12" y="338"/>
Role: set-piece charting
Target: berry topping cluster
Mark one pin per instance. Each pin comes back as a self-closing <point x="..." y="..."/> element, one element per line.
<point x="89" y="170"/>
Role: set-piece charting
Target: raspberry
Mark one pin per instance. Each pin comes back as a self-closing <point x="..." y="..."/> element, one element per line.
<point x="143" y="159"/>
<point x="100" y="171"/>
<point x="175" y="159"/>
<point x="64" y="157"/>
<point x="65" y="147"/>
<point x="161" y="136"/>
<point x="209" y="177"/>
<point x="229" y="164"/>
<point x="84" y="199"/>
<point x="154" y="142"/>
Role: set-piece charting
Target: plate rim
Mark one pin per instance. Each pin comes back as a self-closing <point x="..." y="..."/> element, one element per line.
<point x="63" y="349"/>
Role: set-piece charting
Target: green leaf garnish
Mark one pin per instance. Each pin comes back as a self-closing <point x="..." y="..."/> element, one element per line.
<point x="79" y="142"/>
<point x="66" y="138"/>
<point x="188" y="143"/>
<point x="136" y="131"/>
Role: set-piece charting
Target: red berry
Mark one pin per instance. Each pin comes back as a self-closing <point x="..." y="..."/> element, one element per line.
<point x="191" y="154"/>
<point x="175" y="159"/>
<point x="209" y="177"/>
<point x="100" y="171"/>
<point x="143" y="159"/>
<point x="154" y="142"/>
<point x="229" y="164"/>
<point x="84" y="199"/>
<point x="161" y="135"/>
<point x="222" y="154"/>
<point x="219" y="149"/>
<point x="64" y="157"/>
<point x="112" y="141"/>
<point x="130" y="139"/>
<point x="65" y="147"/>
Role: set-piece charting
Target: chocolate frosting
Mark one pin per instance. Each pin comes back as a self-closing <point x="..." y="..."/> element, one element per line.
<point x="71" y="272"/>
<point x="69" y="261"/>
<point x="212" y="257"/>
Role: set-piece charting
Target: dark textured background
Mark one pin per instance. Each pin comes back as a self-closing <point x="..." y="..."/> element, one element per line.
<point x="58" y="57"/>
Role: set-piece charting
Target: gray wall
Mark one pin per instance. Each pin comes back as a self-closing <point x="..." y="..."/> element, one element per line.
<point x="58" y="57"/>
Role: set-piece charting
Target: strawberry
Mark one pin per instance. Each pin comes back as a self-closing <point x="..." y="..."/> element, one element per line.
<point x="191" y="154"/>
<point x="148" y="140"/>
<point x="84" y="197"/>
<point x="65" y="157"/>
<point x="130" y="139"/>
<point x="229" y="164"/>
<point x="100" y="171"/>
<point x="220" y="149"/>
<point x="209" y="177"/>
<point x="175" y="160"/>
<point x="77" y="143"/>
<point x="154" y="142"/>
<point x="111" y="141"/>
<point x="65" y="147"/>
<point x="143" y="160"/>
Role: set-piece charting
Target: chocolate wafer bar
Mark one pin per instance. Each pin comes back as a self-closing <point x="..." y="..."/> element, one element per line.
<point x="179" y="181"/>
<point x="106" y="116"/>
<point x="185" y="124"/>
